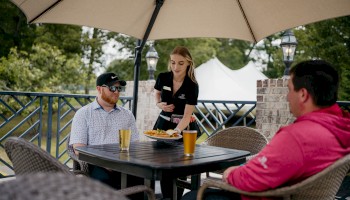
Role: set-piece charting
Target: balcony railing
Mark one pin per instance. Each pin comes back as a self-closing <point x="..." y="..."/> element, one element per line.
<point x="45" y="119"/>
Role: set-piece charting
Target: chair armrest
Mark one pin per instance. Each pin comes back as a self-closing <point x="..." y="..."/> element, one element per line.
<point x="82" y="166"/>
<point x="137" y="189"/>
<point x="281" y="192"/>
<point x="80" y="173"/>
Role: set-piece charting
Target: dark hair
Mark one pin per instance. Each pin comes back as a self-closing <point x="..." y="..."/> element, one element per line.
<point x="319" y="78"/>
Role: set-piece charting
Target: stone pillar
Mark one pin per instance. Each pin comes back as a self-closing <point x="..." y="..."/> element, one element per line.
<point x="272" y="110"/>
<point x="147" y="111"/>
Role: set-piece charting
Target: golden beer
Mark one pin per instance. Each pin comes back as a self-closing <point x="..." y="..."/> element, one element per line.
<point x="124" y="140"/>
<point x="189" y="138"/>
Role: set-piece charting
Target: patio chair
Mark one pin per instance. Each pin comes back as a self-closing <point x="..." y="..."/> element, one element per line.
<point x="77" y="164"/>
<point x="56" y="186"/>
<point x="323" y="185"/>
<point x="28" y="158"/>
<point x="238" y="137"/>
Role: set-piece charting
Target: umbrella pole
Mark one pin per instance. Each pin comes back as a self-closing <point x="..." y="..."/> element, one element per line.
<point x="138" y="51"/>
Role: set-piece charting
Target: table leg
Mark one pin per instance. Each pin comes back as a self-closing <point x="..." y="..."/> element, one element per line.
<point x="195" y="181"/>
<point x="123" y="180"/>
<point x="174" y="189"/>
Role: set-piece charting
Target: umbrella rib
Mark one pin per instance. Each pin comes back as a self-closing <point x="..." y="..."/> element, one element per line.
<point x="246" y="20"/>
<point x="43" y="12"/>
<point x="159" y="4"/>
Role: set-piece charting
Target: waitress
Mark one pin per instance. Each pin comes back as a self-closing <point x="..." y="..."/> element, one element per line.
<point x="176" y="93"/>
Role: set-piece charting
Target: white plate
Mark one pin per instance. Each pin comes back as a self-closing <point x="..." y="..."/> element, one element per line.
<point x="164" y="138"/>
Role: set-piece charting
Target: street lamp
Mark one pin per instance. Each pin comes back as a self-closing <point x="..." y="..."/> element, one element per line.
<point x="288" y="44"/>
<point x="152" y="59"/>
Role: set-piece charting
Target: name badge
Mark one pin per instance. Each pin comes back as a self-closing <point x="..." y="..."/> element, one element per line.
<point x="166" y="88"/>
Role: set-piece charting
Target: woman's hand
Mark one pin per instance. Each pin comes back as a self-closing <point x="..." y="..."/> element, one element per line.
<point x="165" y="107"/>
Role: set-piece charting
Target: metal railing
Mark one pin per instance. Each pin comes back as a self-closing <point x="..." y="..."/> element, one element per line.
<point x="213" y="116"/>
<point x="41" y="118"/>
<point x="45" y="119"/>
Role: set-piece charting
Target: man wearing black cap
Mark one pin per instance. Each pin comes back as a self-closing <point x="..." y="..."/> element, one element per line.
<point x="98" y="123"/>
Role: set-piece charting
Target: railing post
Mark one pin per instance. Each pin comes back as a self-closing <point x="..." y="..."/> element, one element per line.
<point x="40" y="136"/>
<point x="49" y="125"/>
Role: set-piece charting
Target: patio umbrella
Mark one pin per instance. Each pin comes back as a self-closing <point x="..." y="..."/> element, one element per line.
<point x="250" y="20"/>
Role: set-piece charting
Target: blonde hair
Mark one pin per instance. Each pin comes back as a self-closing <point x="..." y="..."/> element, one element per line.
<point x="184" y="52"/>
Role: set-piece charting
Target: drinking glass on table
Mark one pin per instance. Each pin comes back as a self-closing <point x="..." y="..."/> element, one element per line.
<point x="189" y="139"/>
<point x="124" y="139"/>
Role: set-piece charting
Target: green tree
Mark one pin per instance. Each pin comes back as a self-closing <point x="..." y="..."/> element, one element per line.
<point x="123" y="67"/>
<point x="234" y="53"/>
<point x="274" y="63"/>
<point x="93" y="40"/>
<point x="201" y="49"/>
<point x="14" y="30"/>
<point x="46" y="69"/>
<point x="328" y="40"/>
<point x="67" y="38"/>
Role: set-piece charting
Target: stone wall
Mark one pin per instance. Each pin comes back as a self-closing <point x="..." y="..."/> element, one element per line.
<point x="147" y="111"/>
<point x="272" y="110"/>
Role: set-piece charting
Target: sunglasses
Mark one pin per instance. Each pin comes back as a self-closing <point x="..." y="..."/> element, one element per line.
<point x="114" y="88"/>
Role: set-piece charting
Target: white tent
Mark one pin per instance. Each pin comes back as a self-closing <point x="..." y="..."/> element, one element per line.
<point x="218" y="82"/>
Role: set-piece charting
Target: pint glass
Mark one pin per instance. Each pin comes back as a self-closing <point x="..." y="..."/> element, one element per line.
<point x="124" y="140"/>
<point x="189" y="138"/>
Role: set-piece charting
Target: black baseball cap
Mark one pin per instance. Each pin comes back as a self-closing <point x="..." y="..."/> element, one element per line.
<point x="109" y="79"/>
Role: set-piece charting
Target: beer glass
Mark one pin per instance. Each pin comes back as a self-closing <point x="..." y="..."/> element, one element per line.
<point x="124" y="139"/>
<point x="189" y="138"/>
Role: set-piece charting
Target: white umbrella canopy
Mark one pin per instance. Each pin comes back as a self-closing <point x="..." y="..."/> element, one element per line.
<point x="250" y="20"/>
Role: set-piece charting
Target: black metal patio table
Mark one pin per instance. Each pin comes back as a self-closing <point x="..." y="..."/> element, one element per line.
<point x="152" y="159"/>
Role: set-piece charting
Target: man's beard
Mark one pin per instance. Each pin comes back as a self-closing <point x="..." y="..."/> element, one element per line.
<point x="108" y="99"/>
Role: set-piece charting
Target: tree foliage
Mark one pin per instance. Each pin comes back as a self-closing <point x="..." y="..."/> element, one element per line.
<point x="14" y="30"/>
<point x="46" y="69"/>
<point x="328" y="40"/>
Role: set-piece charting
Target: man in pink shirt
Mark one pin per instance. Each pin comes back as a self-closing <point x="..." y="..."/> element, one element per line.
<point x="319" y="136"/>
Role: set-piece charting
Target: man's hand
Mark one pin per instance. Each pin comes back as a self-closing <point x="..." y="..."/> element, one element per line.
<point x="227" y="173"/>
<point x="77" y="145"/>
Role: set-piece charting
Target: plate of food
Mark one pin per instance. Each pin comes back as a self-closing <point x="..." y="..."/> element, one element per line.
<point x="163" y="135"/>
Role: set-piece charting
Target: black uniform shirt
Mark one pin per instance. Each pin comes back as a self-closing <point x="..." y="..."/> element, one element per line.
<point x="186" y="94"/>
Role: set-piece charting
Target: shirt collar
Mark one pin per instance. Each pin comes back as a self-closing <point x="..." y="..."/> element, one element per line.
<point x="96" y="105"/>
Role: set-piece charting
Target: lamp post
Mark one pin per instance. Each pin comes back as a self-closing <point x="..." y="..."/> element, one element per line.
<point x="152" y="59"/>
<point x="288" y="44"/>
